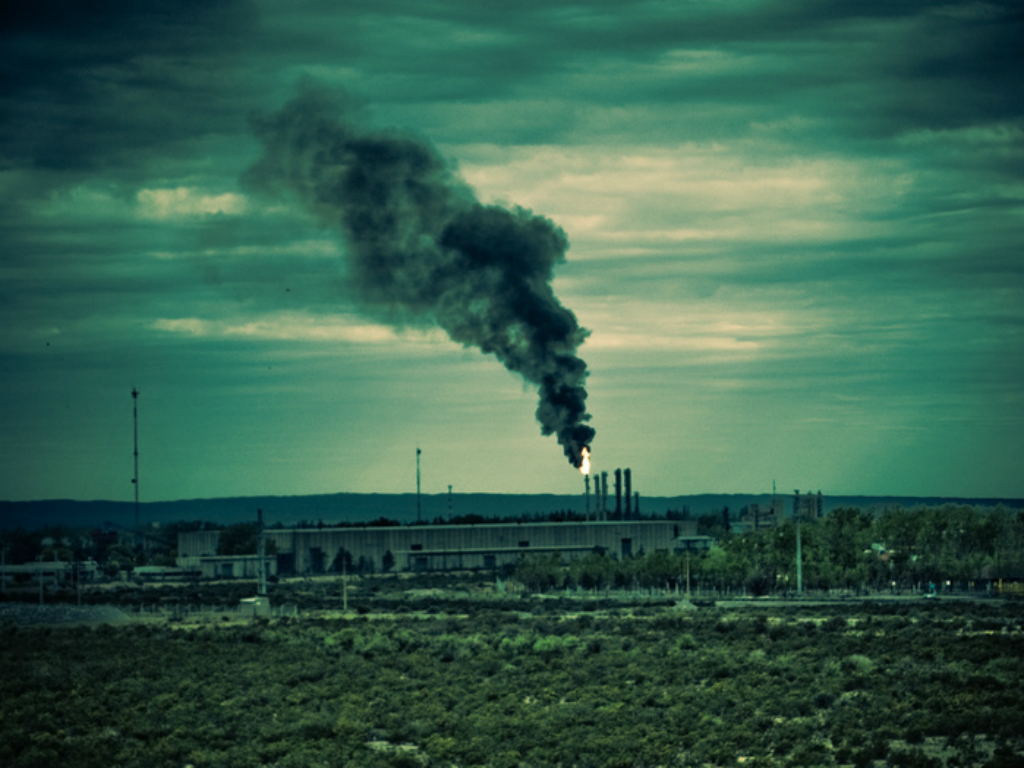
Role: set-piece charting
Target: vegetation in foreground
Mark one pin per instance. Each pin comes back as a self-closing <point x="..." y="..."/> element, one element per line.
<point x="929" y="683"/>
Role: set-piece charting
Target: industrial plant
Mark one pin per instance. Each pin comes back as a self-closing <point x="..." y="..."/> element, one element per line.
<point x="374" y="549"/>
<point x="447" y="547"/>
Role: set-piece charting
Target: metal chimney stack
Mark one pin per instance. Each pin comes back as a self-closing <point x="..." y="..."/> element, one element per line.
<point x="628" y="477"/>
<point x="618" y="493"/>
<point x="604" y="496"/>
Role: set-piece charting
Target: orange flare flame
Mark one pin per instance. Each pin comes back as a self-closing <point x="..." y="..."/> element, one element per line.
<point x="585" y="461"/>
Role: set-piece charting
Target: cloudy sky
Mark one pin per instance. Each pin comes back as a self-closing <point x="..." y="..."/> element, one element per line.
<point x="795" y="235"/>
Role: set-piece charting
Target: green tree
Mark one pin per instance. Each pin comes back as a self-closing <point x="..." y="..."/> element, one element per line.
<point x="1006" y="533"/>
<point x="714" y="568"/>
<point x="845" y="540"/>
<point x="539" y="573"/>
<point x="592" y="571"/>
<point x="659" y="569"/>
<point x="897" y="530"/>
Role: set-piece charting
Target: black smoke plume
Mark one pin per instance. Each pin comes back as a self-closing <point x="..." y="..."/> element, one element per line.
<point x="420" y="245"/>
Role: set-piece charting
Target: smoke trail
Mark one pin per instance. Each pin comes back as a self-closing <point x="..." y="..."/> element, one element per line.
<point x="421" y="245"/>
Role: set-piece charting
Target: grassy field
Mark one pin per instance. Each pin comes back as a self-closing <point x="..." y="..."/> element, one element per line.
<point x="429" y="677"/>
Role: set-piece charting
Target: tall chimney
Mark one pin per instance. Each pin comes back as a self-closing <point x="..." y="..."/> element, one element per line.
<point x="618" y="494"/>
<point x="604" y="495"/>
<point x="629" y="489"/>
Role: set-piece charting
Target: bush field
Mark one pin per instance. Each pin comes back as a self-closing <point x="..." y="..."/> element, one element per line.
<point x="924" y="683"/>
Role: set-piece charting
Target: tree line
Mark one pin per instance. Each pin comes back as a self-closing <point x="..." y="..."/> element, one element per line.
<point x="950" y="547"/>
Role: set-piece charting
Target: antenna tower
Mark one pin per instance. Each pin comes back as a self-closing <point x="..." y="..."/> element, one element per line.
<point x="135" y="425"/>
<point x="418" y="510"/>
<point x="261" y="552"/>
<point x="799" y="552"/>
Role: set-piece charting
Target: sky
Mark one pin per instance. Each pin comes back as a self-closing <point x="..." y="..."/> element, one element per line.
<point x="794" y="235"/>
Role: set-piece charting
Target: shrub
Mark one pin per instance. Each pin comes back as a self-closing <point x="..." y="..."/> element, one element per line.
<point x="835" y="624"/>
<point x="912" y="758"/>
<point x="858" y="664"/>
<point x="824" y="700"/>
<point x="373" y="644"/>
<point x="687" y="642"/>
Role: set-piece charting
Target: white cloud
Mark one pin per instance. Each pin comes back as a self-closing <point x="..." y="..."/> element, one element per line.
<point x="663" y="343"/>
<point x="185" y="202"/>
<point x="654" y="198"/>
<point x="646" y="326"/>
<point x="296" y="327"/>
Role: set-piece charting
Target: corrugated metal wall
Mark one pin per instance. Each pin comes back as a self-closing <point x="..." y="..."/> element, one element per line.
<point x="198" y="543"/>
<point x="446" y="547"/>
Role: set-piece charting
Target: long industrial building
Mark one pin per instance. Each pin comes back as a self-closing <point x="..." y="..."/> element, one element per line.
<point x="303" y="551"/>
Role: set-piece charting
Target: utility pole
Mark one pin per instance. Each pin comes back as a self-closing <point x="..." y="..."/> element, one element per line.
<point x="799" y="554"/>
<point x="135" y="480"/>
<point x="687" y="573"/>
<point x="344" y="581"/>
<point x="418" y="508"/>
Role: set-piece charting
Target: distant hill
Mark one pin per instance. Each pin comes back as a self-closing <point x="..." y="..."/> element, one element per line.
<point x="365" y="507"/>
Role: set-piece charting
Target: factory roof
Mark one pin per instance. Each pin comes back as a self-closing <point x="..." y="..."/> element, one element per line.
<point x="475" y="526"/>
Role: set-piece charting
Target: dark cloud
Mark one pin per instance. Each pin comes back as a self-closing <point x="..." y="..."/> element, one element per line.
<point x="85" y="86"/>
<point x="604" y="72"/>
